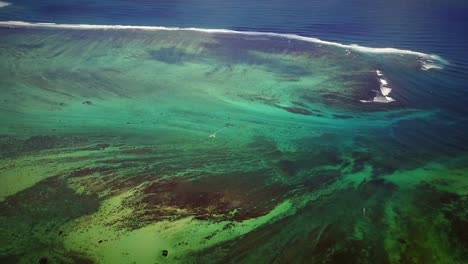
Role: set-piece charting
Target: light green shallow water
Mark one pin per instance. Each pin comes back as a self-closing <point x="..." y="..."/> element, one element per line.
<point x="119" y="144"/>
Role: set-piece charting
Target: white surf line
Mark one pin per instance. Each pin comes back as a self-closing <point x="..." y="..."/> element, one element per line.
<point x="354" y="47"/>
<point x="3" y="4"/>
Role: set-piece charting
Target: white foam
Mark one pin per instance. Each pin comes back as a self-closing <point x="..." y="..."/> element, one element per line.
<point x="383" y="82"/>
<point x="379" y="99"/>
<point x="385" y="90"/>
<point x="354" y="47"/>
<point x="3" y="4"/>
<point x="382" y="95"/>
<point x="429" y="65"/>
<point x="383" y="99"/>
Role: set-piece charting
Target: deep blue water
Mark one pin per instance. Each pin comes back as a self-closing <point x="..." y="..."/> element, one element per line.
<point x="425" y="25"/>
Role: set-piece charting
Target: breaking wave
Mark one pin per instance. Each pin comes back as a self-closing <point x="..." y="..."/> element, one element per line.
<point x="382" y="95"/>
<point x="428" y="61"/>
<point x="3" y="4"/>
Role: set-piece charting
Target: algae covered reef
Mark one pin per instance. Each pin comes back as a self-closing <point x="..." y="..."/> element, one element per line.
<point x="147" y="146"/>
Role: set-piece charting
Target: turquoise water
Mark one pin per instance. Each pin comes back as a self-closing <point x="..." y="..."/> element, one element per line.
<point x="159" y="144"/>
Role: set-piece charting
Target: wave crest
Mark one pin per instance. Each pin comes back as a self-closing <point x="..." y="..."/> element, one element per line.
<point x="3" y="4"/>
<point x="382" y="95"/>
<point x="424" y="57"/>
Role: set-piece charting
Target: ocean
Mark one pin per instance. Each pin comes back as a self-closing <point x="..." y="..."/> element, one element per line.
<point x="233" y="131"/>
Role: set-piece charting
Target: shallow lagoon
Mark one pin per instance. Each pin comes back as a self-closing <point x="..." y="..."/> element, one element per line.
<point x="118" y="144"/>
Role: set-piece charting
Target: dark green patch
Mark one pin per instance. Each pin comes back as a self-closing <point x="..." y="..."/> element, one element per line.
<point x="322" y="232"/>
<point x="342" y="116"/>
<point x="172" y="55"/>
<point x="296" y="110"/>
<point x="30" y="219"/>
<point x="288" y="167"/>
